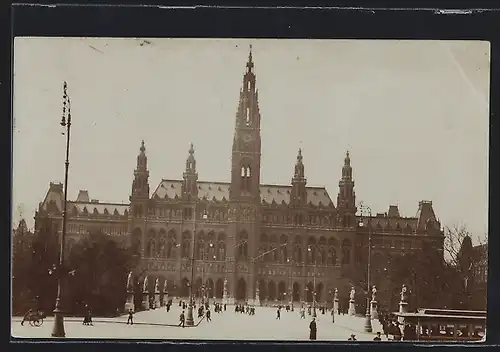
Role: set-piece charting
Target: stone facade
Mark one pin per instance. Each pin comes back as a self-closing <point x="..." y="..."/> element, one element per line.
<point x="277" y="240"/>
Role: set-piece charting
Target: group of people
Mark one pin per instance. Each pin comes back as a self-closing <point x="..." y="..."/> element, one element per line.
<point x="240" y="308"/>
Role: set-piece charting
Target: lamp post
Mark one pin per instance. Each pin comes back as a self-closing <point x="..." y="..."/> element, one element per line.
<point x="368" y="319"/>
<point x="314" y="282"/>
<point x="189" y="318"/>
<point x="58" y="329"/>
<point x="290" y="288"/>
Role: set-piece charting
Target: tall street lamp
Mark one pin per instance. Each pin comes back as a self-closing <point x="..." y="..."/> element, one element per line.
<point x="290" y="286"/>
<point x="368" y="319"/>
<point x="189" y="317"/>
<point x="58" y="329"/>
<point x="309" y="249"/>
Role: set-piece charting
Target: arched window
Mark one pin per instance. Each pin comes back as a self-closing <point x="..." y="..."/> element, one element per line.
<point x="346" y="251"/>
<point x="186" y="244"/>
<point x="274" y="247"/>
<point x="246" y="175"/>
<point x="200" y="246"/>
<point x="311" y="251"/>
<point x="221" y="247"/>
<point x="332" y="256"/>
<point x="171" y="244"/>
<point x="243" y="245"/>
<point x="283" y="257"/>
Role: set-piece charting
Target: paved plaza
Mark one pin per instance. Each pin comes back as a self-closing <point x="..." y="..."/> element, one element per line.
<point x="160" y="324"/>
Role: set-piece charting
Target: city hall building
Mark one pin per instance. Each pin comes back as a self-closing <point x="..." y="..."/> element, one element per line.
<point x="274" y="241"/>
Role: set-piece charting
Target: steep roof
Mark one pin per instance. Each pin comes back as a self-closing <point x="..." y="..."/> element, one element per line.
<point x="220" y="191"/>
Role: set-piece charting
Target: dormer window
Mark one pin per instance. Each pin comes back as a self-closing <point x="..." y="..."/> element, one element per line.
<point x="95" y="211"/>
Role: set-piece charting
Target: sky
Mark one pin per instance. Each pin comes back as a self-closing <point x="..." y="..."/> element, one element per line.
<point x="414" y="116"/>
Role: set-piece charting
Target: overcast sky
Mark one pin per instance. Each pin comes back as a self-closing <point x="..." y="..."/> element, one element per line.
<point x="413" y="115"/>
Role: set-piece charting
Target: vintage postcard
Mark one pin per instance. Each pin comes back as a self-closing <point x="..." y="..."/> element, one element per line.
<point x="239" y="189"/>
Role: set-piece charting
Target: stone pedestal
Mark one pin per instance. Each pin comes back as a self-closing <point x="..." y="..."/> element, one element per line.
<point x="403" y="308"/>
<point x="129" y="303"/>
<point x="145" y="301"/>
<point x="374" y="309"/>
<point x="352" y="307"/>
<point x="157" y="300"/>
<point x="336" y="306"/>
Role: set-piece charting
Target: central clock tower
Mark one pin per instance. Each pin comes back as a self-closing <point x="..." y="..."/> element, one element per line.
<point x="245" y="159"/>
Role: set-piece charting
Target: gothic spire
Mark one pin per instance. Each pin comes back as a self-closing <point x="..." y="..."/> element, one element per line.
<point x="299" y="166"/>
<point x="191" y="161"/>
<point x="250" y="60"/>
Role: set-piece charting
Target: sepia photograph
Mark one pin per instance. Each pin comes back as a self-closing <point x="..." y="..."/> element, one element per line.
<point x="250" y="189"/>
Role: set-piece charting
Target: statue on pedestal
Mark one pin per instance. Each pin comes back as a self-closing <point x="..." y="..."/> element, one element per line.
<point x="130" y="282"/>
<point x="145" y="285"/>
<point x="165" y="286"/>
<point x="404" y="295"/>
<point x="336" y="295"/>
<point x="374" y="293"/>
<point x="157" y="285"/>
<point x="352" y="294"/>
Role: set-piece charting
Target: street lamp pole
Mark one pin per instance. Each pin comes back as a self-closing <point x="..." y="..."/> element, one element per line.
<point x="314" y="282"/>
<point x="189" y="318"/>
<point x="368" y="319"/>
<point x="58" y="329"/>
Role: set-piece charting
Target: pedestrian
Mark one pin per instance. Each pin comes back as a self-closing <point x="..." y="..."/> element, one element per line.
<point x="130" y="319"/>
<point x="278" y="314"/>
<point x="352" y="338"/>
<point x="312" y="329"/>
<point x="377" y="338"/>
<point x="224" y="307"/>
<point x="208" y="315"/>
<point x="182" y="319"/>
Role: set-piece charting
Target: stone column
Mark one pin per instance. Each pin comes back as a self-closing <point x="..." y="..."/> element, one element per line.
<point x="129" y="303"/>
<point x="336" y="301"/>
<point x="403" y="303"/>
<point x="157" y="293"/>
<point x="352" y="302"/>
<point x="145" y="295"/>
<point x="373" y="304"/>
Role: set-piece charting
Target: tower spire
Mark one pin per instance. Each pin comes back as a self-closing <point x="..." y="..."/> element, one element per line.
<point x="140" y="185"/>
<point x="250" y="60"/>
<point x="298" y="196"/>
<point x="346" y="199"/>
<point x="190" y="185"/>
<point x="245" y="169"/>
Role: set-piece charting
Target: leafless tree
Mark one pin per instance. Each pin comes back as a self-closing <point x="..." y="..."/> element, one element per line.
<point x="461" y="255"/>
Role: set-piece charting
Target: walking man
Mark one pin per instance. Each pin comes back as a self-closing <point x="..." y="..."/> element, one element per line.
<point x="182" y="319"/>
<point x="130" y="319"/>
<point x="208" y="315"/>
<point x="278" y="314"/>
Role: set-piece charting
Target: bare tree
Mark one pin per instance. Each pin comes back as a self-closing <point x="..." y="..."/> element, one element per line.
<point x="462" y="256"/>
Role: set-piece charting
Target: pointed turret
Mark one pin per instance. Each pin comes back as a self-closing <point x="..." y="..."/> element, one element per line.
<point x="298" y="196"/>
<point x="190" y="185"/>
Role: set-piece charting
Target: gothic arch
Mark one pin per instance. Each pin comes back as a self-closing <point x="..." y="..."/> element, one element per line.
<point x="309" y="291"/>
<point x="200" y="246"/>
<point x="186" y="244"/>
<point x="151" y="249"/>
<point x="136" y="241"/>
<point x="197" y="288"/>
<point x="346" y="251"/>
<point x="311" y="250"/>
<point x="211" y="246"/>
<point x="296" y="292"/>
<point x="221" y="246"/>
<point x="171" y="244"/>
<point x="243" y="245"/>
<point x="219" y="288"/>
<point x="184" y="287"/>
<point x="241" y="290"/>
<point x="273" y="245"/>
<point x="283" y="255"/>
<point x="262" y="289"/>
<point x="271" y="291"/>
<point x="210" y="288"/>
<point x="319" y="291"/>
<point x="281" y="291"/>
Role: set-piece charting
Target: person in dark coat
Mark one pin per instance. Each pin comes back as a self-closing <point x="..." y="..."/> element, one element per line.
<point x="278" y="314"/>
<point x="352" y="338"/>
<point x="130" y="319"/>
<point x="377" y="338"/>
<point x="182" y="319"/>
<point x="208" y="315"/>
<point x="312" y="329"/>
